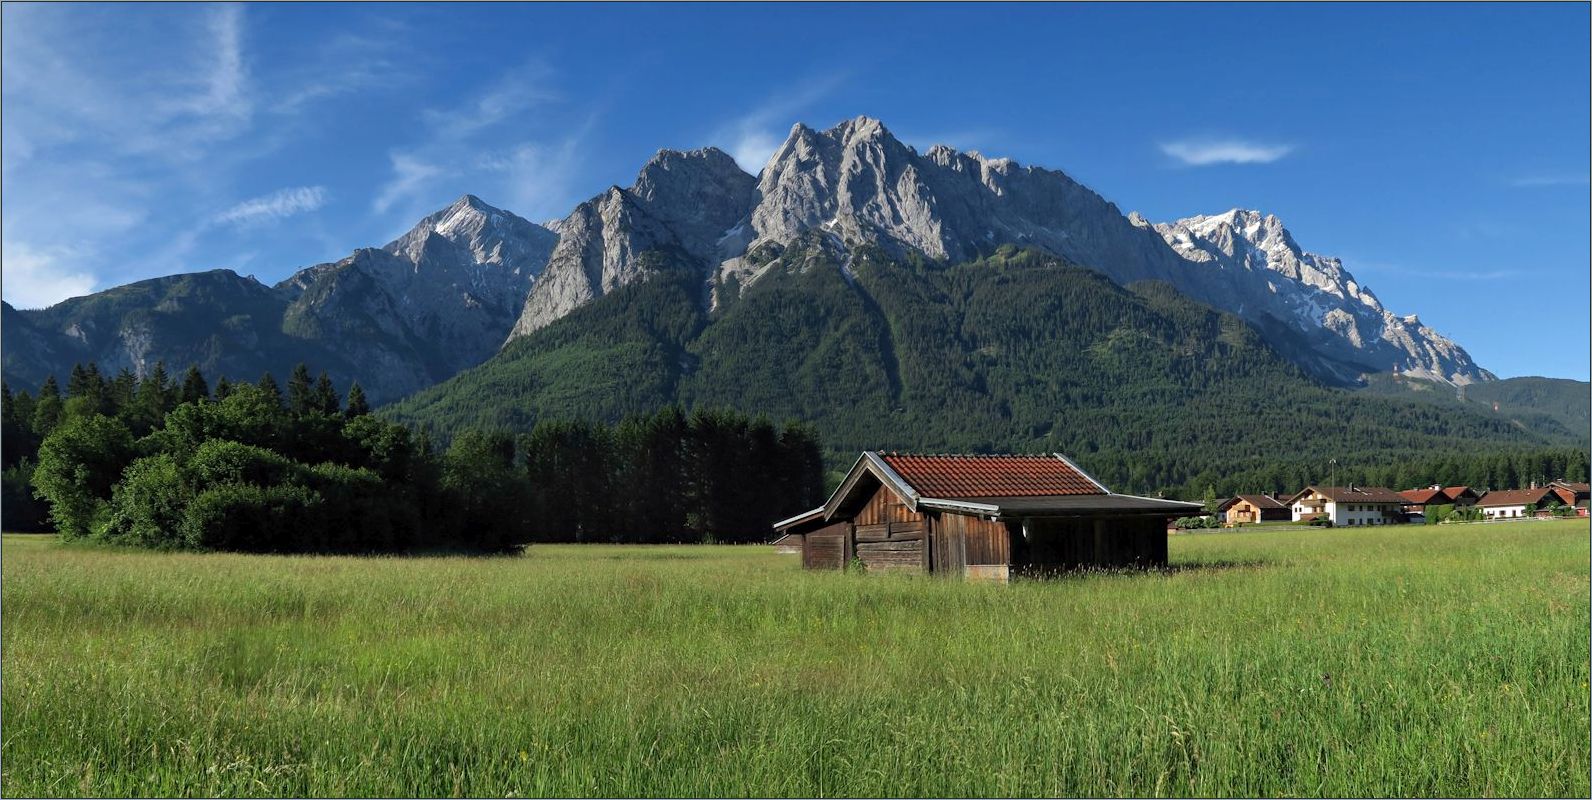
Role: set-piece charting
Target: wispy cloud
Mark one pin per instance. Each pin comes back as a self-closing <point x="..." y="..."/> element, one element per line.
<point x="35" y="277"/>
<point x="754" y="136"/>
<point x="274" y="206"/>
<point x="409" y="175"/>
<point x="1204" y="152"/>
<point x="472" y="146"/>
<point x="1559" y="179"/>
<point x="127" y="130"/>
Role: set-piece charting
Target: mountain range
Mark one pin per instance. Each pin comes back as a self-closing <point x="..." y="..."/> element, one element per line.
<point x="696" y="243"/>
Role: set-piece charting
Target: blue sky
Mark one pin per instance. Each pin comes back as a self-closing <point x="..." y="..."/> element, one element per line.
<point x="1440" y="150"/>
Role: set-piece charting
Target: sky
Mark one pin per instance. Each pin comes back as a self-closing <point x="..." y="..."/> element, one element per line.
<point x="1441" y="151"/>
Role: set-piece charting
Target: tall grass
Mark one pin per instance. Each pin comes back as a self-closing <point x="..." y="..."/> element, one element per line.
<point x="1408" y="661"/>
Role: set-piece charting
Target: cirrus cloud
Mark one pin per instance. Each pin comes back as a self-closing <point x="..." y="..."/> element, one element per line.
<point x="1204" y="152"/>
<point x="274" y="206"/>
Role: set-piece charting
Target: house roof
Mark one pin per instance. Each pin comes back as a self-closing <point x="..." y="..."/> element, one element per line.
<point x="1513" y="497"/>
<point x="1421" y="497"/>
<point x="992" y="476"/>
<point x="1578" y="488"/>
<point x="1261" y="501"/>
<point x="1455" y="492"/>
<point x="985" y="485"/>
<point x="1352" y="494"/>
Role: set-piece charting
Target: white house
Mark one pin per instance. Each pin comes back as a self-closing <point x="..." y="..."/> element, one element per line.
<point x="1349" y="506"/>
<point x="1514" y="503"/>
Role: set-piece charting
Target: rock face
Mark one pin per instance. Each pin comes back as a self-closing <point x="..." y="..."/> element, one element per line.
<point x="856" y="184"/>
<point x="447" y="295"/>
<point x="438" y="299"/>
<point x="1263" y="272"/>
<point x="684" y="202"/>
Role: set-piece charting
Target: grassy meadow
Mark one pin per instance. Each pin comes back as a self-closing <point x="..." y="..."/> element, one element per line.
<point x="1420" y="660"/>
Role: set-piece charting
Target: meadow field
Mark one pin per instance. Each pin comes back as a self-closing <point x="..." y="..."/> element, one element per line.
<point x="1419" y="660"/>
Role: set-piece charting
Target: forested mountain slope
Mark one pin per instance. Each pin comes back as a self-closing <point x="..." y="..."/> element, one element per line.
<point x="1014" y="352"/>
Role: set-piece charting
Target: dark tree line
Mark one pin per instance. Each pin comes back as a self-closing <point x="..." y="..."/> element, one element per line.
<point x="248" y="467"/>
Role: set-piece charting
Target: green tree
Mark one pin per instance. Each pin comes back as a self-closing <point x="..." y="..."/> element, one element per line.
<point x="478" y="471"/>
<point x="48" y="410"/>
<point x="194" y="387"/>
<point x="268" y="384"/>
<point x="324" y="396"/>
<point x="357" y="405"/>
<point x="223" y="388"/>
<point x="300" y="391"/>
<point x="79" y="463"/>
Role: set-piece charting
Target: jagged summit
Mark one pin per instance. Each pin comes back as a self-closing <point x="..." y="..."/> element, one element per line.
<point x="855" y="183"/>
<point x="681" y="200"/>
<point x="1266" y="272"/>
<point x="490" y="234"/>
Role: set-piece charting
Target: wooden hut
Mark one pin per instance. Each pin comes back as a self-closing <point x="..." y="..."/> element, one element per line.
<point x="980" y="517"/>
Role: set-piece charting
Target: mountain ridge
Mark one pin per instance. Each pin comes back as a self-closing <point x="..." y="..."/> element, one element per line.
<point x="469" y="279"/>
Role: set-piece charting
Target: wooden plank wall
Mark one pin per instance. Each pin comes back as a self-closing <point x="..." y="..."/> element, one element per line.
<point x="959" y="541"/>
<point x="826" y="547"/>
<point x="890" y="536"/>
<point x="886" y="506"/>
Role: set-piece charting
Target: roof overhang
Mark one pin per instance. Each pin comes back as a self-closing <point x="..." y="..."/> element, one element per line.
<point x="805" y="516"/>
<point x="869" y="463"/>
<point x="1090" y="505"/>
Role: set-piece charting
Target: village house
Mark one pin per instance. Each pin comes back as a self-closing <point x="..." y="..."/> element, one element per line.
<point x="1416" y="500"/>
<point x="1516" y="503"/>
<point x="1250" y="508"/>
<point x="987" y="517"/>
<point x="1349" y="506"/>
<point x="1572" y="494"/>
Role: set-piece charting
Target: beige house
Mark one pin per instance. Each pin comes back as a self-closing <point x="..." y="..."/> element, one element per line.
<point x="1249" y="508"/>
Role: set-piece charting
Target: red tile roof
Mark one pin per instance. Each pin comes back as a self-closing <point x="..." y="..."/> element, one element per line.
<point x="955" y="476"/>
<point x="1453" y="492"/>
<point x="1421" y="497"/>
<point x="1513" y="497"/>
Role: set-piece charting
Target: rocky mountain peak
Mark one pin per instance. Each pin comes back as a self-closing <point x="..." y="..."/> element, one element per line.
<point x="856" y="184"/>
<point x="1264" y="273"/>
<point x="682" y="200"/>
<point x="490" y="234"/>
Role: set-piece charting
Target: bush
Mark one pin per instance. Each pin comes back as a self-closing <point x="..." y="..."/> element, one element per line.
<point x="219" y="461"/>
<point x="359" y="512"/>
<point x="147" y="506"/>
<point x="251" y="518"/>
